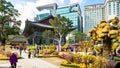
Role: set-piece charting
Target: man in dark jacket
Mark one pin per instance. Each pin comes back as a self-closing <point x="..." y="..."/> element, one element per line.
<point x="13" y="60"/>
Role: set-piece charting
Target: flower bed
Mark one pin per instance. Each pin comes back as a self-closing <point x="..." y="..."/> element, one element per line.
<point x="46" y="55"/>
<point x="65" y="63"/>
<point x="3" y="57"/>
<point x="83" y="61"/>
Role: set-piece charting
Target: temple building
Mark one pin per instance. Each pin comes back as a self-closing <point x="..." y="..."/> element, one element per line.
<point x="34" y="29"/>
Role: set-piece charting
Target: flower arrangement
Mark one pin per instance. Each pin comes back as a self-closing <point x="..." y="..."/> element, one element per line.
<point x="83" y="61"/>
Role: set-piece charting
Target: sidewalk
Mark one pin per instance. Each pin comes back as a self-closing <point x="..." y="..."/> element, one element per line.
<point x="30" y="63"/>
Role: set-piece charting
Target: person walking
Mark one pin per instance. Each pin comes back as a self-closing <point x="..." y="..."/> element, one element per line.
<point x="20" y="49"/>
<point x="29" y="54"/>
<point x="13" y="60"/>
<point x="34" y="53"/>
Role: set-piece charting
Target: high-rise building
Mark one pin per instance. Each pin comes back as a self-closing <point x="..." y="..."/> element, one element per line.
<point x="93" y="14"/>
<point x="41" y="16"/>
<point x="46" y="10"/>
<point x="112" y="9"/>
<point x="72" y="12"/>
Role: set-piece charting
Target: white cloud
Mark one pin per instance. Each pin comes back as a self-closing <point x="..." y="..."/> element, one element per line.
<point x="76" y="1"/>
<point x="62" y="1"/>
<point x="28" y="10"/>
<point x="44" y="2"/>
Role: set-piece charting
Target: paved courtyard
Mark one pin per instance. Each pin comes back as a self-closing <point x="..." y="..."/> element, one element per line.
<point x="30" y="63"/>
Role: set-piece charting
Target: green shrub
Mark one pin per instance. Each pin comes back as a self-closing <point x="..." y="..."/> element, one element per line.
<point x="32" y="47"/>
<point x="55" y="53"/>
<point x="114" y="46"/>
<point x="49" y="51"/>
<point x="117" y="58"/>
<point x="53" y="47"/>
<point x="43" y="46"/>
<point x="97" y="48"/>
<point x="100" y="63"/>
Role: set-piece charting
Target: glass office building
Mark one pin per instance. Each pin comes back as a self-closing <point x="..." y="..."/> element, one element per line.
<point x="72" y="12"/>
<point x="93" y="14"/>
<point x="41" y="16"/>
<point x="50" y="9"/>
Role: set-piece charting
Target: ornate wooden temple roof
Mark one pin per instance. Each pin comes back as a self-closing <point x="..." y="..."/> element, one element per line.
<point x="38" y="26"/>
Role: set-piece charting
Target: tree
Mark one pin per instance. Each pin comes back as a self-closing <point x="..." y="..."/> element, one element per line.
<point x="79" y="36"/>
<point x="8" y="15"/>
<point x="47" y="36"/>
<point x="61" y="27"/>
<point x="71" y="40"/>
<point x="105" y="33"/>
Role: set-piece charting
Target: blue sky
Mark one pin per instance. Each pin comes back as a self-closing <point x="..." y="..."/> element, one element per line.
<point x="27" y="8"/>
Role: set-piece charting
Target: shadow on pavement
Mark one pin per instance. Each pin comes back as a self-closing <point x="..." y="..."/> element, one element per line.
<point x="5" y="67"/>
<point x="10" y="67"/>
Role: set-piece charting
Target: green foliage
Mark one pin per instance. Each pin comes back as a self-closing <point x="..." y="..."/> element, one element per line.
<point x="61" y="24"/>
<point x="8" y="14"/>
<point x="49" y="51"/>
<point x="7" y="11"/>
<point x="89" y="58"/>
<point x="70" y="65"/>
<point x="64" y="47"/>
<point x="82" y="61"/>
<point x="79" y="36"/>
<point x="47" y="34"/>
<point x="114" y="46"/>
<point x="97" y="48"/>
<point x="52" y="47"/>
<point x="71" y="40"/>
<point x="43" y="46"/>
<point x="45" y="56"/>
<point x="100" y="63"/>
<point x="61" y="27"/>
<point x="117" y="58"/>
<point x="32" y="47"/>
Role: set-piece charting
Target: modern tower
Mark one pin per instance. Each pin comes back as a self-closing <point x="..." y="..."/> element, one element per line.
<point x="50" y="9"/>
<point x="93" y="14"/>
<point x="72" y="12"/>
<point x="112" y="9"/>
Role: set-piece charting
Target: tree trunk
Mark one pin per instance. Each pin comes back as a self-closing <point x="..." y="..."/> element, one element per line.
<point x="59" y="43"/>
<point x="107" y="47"/>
